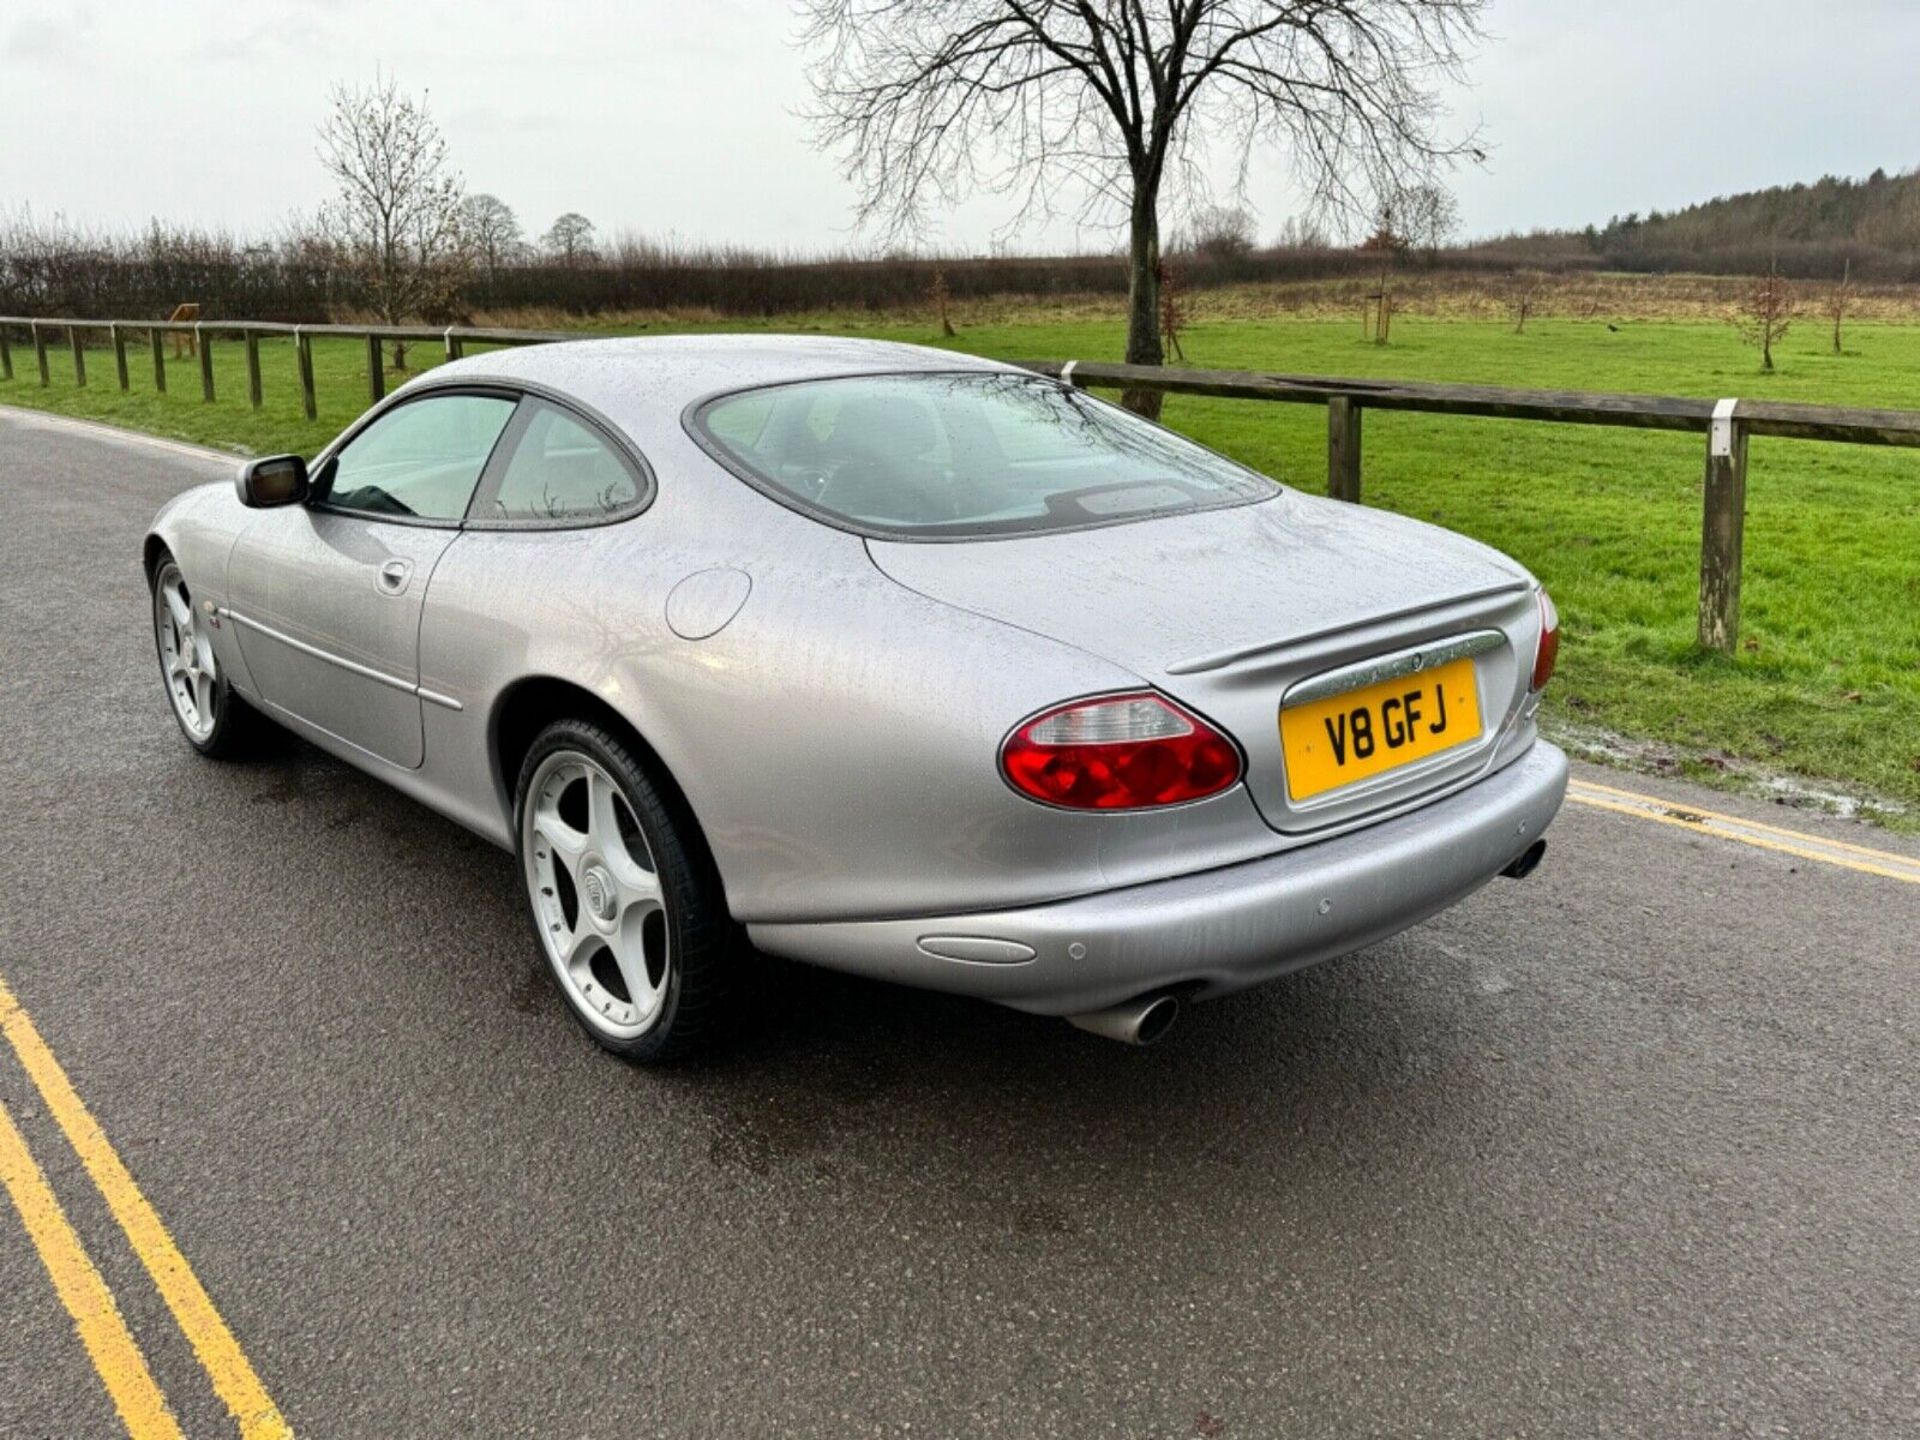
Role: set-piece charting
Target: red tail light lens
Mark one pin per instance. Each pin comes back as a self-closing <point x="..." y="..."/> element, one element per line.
<point x="1120" y="752"/>
<point x="1548" y="650"/>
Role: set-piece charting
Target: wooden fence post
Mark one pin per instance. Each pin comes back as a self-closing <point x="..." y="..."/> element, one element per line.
<point x="204" y="344"/>
<point x="1343" y="448"/>
<point x="119" y="355"/>
<point x="1723" y="530"/>
<point x="75" y="343"/>
<point x="40" y="352"/>
<point x="6" y="355"/>
<point x="157" y="342"/>
<point x="376" y="371"/>
<point x="253" y="368"/>
<point x="303" y="358"/>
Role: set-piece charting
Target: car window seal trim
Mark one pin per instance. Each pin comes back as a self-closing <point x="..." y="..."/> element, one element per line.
<point x="500" y="457"/>
<point x="418" y="522"/>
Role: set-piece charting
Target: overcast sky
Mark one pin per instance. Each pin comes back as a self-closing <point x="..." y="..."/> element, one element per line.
<point x="677" y="117"/>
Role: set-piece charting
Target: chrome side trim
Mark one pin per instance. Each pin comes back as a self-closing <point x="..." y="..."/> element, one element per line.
<point x="1391" y="667"/>
<point x="317" y="653"/>
<point x="354" y="666"/>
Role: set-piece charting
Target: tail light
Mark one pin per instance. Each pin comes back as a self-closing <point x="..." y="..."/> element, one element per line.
<point x="1548" y="651"/>
<point x="1120" y="752"/>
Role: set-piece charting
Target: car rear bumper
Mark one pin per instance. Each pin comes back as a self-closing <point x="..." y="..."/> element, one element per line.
<point x="1216" y="931"/>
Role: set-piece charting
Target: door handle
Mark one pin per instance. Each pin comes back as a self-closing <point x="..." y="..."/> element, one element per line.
<point x="394" y="576"/>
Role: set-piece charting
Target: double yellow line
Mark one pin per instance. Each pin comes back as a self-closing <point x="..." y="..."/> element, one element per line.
<point x="109" y="1343"/>
<point x="1798" y="843"/>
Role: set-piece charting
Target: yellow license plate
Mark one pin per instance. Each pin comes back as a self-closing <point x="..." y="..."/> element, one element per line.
<point x="1376" y="728"/>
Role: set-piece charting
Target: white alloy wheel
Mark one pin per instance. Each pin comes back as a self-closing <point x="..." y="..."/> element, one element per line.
<point x="186" y="656"/>
<point x="596" y="894"/>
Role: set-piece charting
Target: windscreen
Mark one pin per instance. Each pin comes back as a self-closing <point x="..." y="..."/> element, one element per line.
<point x="966" y="454"/>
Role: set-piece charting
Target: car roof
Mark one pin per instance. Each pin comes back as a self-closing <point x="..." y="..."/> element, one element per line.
<point x="638" y="380"/>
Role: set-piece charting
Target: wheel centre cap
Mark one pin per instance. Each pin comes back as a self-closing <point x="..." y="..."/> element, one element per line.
<point x="596" y="887"/>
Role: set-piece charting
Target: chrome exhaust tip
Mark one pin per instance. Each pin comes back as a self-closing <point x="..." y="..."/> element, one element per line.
<point x="1134" y="1022"/>
<point x="1526" y="862"/>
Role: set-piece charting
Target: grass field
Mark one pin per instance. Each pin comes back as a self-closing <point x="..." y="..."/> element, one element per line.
<point x="1826" y="687"/>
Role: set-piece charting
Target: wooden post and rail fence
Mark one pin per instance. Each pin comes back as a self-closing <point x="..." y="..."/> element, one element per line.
<point x="1727" y="424"/>
<point x="454" y="339"/>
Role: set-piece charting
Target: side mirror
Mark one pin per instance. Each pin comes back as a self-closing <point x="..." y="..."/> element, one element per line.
<point x="272" y="480"/>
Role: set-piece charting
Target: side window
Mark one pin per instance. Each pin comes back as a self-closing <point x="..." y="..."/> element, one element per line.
<point x="562" y="470"/>
<point x="420" y="459"/>
<point x="742" y="425"/>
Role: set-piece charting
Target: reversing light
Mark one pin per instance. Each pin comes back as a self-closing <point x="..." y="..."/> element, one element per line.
<point x="1119" y="752"/>
<point x="1548" y="651"/>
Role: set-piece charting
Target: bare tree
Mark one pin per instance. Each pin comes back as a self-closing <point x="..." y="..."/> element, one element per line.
<point x="1302" y="232"/>
<point x="1426" y="217"/>
<point x="1387" y="238"/>
<point x="1173" y="309"/>
<point x="570" y="238"/>
<point x="1413" y="217"/>
<point x="1383" y="239"/>
<point x="1523" y="291"/>
<point x="1765" y="312"/>
<point x="1221" y="232"/>
<point x="1376" y="309"/>
<point x="1839" y="301"/>
<point x="941" y="299"/>
<point x="492" y="230"/>
<point x="396" y="213"/>
<point x="930" y="98"/>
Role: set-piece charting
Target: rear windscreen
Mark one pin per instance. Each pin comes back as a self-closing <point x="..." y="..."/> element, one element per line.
<point x="971" y="453"/>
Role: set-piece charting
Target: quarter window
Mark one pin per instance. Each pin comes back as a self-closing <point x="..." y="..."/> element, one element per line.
<point x="421" y="459"/>
<point x="562" y="470"/>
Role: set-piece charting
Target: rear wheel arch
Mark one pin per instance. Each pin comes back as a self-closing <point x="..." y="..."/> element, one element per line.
<point x="530" y="705"/>
<point x="155" y="554"/>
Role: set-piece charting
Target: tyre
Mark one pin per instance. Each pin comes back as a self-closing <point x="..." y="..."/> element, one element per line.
<point x="625" y="901"/>
<point x="215" y="720"/>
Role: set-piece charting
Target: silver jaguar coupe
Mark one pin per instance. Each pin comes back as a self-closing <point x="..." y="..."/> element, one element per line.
<point x="874" y="656"/>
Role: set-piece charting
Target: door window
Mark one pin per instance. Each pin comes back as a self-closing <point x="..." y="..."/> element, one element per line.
<point x="562" y="470"/>
<point x="421" y="459"/>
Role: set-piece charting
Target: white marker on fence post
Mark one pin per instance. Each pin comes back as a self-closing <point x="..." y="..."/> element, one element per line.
<point x="1720" y="433"/>
<point x="1066" y="372"/>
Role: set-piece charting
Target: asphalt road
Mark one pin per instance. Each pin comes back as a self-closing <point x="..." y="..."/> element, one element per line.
<point x="1631" y="1148"/>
